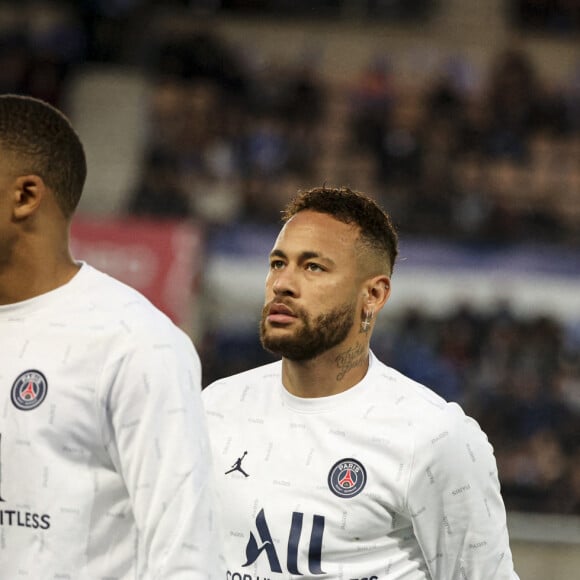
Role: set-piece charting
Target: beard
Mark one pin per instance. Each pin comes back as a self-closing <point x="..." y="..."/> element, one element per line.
<point x="316" y="336"/>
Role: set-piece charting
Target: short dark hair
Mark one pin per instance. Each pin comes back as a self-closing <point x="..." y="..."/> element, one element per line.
<point x="46" y="145"/>
<point x="351" y="207"/>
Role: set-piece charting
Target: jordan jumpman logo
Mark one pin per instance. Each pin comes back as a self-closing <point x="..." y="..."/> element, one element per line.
<point x="237" y="466"/>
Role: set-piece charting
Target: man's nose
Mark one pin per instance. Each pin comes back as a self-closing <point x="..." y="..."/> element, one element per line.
<point x="285" y="283"/>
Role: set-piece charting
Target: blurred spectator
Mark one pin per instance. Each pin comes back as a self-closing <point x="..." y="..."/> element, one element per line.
<point x="560" y="17"/>
<point x="400" y="148"/>
<point x="42" y="49"/>
<point x="112" y="28"/>
<point x="512" y="97"/>
<point x="473" y="206"/>
<point x="266" y="146"/>
<point x="14" y="62"/>
<point x="371" y="101"/>
<point x="158" y="193"/>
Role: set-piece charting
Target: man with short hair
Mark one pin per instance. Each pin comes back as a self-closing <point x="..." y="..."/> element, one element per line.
<point x="351" y="470"/>
<point x="104" y="458"/>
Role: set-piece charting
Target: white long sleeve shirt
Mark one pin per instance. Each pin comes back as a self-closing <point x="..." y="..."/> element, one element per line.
<point x="104" y="458"/>
<point x="385" y="481"/>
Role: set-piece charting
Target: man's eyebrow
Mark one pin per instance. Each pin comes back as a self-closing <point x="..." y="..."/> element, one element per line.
<point x="277" y="254"/>
<point x="303" y="256"/>
<point x="313" y="255"/>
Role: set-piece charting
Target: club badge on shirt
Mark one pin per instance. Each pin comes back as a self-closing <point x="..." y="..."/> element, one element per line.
<point x="29" y="390"/>
<point x="347" y="478"/>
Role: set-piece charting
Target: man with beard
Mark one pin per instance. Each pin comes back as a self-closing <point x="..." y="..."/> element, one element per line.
<point x="344" y="468"/>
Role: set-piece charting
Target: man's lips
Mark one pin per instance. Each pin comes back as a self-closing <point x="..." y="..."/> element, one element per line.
<point x="280" y="314"/>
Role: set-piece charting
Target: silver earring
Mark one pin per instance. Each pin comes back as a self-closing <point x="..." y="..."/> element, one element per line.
<point x="366" y="322"/>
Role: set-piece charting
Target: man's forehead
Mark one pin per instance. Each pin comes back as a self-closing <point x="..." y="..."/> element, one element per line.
<point x="320" y="227"/>
<point x="325" y="240"/>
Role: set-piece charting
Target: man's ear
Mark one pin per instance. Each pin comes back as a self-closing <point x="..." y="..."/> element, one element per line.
<point x="378" y="291"/>
<point x="29" y="190"/>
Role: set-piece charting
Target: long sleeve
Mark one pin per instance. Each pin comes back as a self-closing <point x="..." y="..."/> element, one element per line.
<point x="156" y="436"/>
<point x="455" y="504"/>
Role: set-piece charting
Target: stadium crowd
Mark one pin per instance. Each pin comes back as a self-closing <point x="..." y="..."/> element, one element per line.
<point x="494" y="162"/>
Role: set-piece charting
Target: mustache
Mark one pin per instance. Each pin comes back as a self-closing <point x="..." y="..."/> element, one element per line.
<point x="297" y="311"/>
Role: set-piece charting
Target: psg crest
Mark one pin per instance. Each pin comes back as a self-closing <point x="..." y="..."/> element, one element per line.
<point x="29" y="390"/>
<point x="347" y="478"/>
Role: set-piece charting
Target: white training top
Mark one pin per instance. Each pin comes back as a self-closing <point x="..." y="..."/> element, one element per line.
<point x="385" y="481"/>
<point x="104" y="458"/>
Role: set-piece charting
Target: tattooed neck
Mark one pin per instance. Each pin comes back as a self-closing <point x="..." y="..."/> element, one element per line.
<point x="353" y="357"/>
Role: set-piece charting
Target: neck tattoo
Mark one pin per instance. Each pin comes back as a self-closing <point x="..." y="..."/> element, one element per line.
<point x="351" y="358"/>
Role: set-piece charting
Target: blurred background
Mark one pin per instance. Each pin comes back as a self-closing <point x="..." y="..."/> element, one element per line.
<point x="201" y="118"/>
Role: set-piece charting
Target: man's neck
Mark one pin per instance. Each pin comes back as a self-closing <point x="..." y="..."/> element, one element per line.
<point x="30" y="276"/>
<point x="332" y="372"/>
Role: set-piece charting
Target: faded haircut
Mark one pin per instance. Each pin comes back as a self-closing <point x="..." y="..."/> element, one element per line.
<point x="44" y="143"/>
<point x="354" y="208"/>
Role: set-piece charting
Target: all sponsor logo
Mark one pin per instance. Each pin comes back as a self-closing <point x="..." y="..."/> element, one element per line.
<point x="29" y="390"/>
<point x="347" y="478"/>
<point x="263" y="544"/>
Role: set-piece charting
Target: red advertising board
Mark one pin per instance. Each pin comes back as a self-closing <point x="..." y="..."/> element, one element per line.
<point x="161" y="259"/>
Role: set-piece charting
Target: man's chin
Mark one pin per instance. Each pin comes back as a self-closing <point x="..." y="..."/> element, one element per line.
<point x="276" y="345"/>
<point x="284" y="347"/>
<point x="277" y="335"/>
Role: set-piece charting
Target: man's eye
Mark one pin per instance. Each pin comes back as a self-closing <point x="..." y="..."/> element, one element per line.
<point x="312" y="267"/>
<point x="276" y="264"/>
